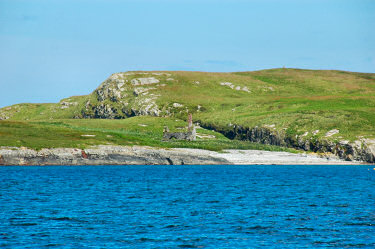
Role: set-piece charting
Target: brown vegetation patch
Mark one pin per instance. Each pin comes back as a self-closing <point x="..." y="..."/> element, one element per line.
<point x="351" y="86"/>
<point x="323" y="97"/>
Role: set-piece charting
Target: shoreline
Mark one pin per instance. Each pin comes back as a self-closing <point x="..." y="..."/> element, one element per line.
<point x="142" y="155"/>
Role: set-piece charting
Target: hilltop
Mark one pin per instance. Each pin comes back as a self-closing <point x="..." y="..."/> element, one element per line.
<point x="313" y="110"/>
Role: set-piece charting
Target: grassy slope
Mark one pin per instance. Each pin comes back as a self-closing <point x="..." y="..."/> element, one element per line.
<point x="72" y="133"/>
<point x="301" y="101"/>
<point x="296" y="100"/>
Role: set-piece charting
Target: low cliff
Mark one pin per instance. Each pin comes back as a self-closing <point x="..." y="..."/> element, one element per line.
<point x="105" y="155"/>
<point x="360" y="150"/>
<point x="138" y="155"/>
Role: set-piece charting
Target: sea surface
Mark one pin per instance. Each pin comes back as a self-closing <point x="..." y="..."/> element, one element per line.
<point x="187" y="207"/>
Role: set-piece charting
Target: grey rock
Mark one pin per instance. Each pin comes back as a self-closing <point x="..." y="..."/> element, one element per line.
<point x="106" y="155"/>
<point x="363" y="150"/>
<point x="144" y="81"/>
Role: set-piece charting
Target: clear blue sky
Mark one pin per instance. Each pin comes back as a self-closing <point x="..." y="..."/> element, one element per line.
<point x="50" y="49"/>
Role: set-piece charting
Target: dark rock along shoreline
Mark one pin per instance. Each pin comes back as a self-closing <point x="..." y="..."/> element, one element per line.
<point x="119" y="155"/>
<point x="344" y="150"/>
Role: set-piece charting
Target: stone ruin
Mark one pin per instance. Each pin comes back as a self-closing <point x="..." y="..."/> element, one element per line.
<point x="190" y="135"/>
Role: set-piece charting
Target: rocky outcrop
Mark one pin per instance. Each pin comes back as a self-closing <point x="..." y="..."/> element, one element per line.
<point x="122" y="155"/>
<point x="105" y="111"/>
<point x="361" y="150"/>
<point x="124" y="95"/>
<point x="144" y="81"/>
<point x="232" y="86"/>
<point x="106" y="155"/>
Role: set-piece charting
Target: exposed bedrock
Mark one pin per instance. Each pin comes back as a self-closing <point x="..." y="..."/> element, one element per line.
<point x="361" y="150"/>
<point x="105" y="155"/>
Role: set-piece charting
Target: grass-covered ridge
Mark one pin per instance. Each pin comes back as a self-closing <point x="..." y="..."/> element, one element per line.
<point x="307" y="103"/>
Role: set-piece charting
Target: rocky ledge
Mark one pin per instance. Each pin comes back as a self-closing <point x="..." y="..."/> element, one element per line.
<point x="359" y="150"/>
<point x="104" y="155"/>
<point x="125" y="155"/>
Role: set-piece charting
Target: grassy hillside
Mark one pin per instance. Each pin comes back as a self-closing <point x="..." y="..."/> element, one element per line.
<point x="83" y="133"/>
<point x="307" y="103"/>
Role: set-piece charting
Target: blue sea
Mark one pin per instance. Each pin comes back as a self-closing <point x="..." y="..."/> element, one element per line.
<point x="187" y="207"/>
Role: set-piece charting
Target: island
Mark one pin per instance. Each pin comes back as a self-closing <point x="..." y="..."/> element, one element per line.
<point x="275" y="116"/>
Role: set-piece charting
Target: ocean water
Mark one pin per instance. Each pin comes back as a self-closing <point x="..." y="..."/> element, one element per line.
<point x="187" y="207"/>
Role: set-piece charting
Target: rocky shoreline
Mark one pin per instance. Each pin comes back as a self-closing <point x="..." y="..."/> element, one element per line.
<point x="360" y="150"/>
<point x="138" y="155"/>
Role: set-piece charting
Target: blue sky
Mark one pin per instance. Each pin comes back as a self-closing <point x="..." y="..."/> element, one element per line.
<point x="51" y="49"/>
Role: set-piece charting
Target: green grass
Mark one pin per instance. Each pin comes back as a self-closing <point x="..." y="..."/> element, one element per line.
<point x="295" y="100"/>
<point x="145" y="131"/>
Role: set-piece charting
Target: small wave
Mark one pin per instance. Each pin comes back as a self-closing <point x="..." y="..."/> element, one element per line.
<point x="65" y="218"/>
<point x="189" y="246"/>
<point x="258" y="227"/>
<point x="147" y="240"/>
<point x="339" y="244"/>
<point x="355" y="245"/>
<point x="190" y="240"/>
<point x="52" y="245"/>
<point x="194" y="213"/>
<point x="171" y="226"/>
<point x="62" y="218"/>
<point x="342" y="205"/>
<point x="305" y="229"/>
<point x="171" y="216"/>
<point x="26" y="224"/>
<point x="365" y="224"/>
<point x="331" y="243"/>
<point x="252" y="228"/>
<point x="213" y="201"/>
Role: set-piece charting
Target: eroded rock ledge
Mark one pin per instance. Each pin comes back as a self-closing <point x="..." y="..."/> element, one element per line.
<point x="361" y="150"/>
<point x="105" y="155"/>
<point x="125" y="155"/>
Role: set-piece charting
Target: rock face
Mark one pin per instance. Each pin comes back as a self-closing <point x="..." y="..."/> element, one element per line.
<point x="106" y="155"/>
<point x="144" y="81"/>
<point x="361" y="150"/>
<point x="125" y="95"/>
<point x="121" y="155"/>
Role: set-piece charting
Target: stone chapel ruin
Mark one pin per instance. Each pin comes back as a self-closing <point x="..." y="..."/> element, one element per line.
<point x="190" y="135"/>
